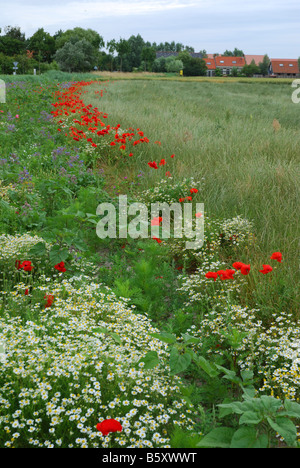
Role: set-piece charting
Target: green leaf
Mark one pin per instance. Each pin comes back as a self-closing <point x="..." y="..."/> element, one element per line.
<point x="168" y="338"/>
<point x="285" y="428"/>
<point x="5" y="206"/>
<point x="205" y="365"/>
<point x="270" y="403"/>
<point x="292" y="409"/>
<point x="179" y="362"/>
<point x="229" y="375"/>
<point x="188" y="339"/>
<point x="103" y="330"/>
<point x="246" y="437"/>
<point x="100" y="330"/>
<point x="150" y="360"/>
<point x="234" y="407"/>
<point x="58" y="255"/>
<point x="219" y="437"/>
<point x="116" y="337"/>
<point x="38" y="249"/>
<point x="250" y="417"/>
<point x="247" y="376"/>
<point x="80" y="245"/>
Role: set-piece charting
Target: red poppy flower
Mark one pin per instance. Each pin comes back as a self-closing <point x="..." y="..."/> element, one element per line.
<point x="237" y="265"/>
<point x="226" y="274"/>
<point x="245" y="269"/>
<point x="26" y="292"/>
<point x="266" y="269"/>
<point x="198" y="215"/>
<point x="50" y="300"/>
<point x="156" y="221"/>
<point x="211" y="274"/>
<point x="26" y="266"/>
<point x="168" y="174"/>
<point x="153" y="164"/>
<point x="276" y="256"/>
<point x="109" y="425"/>
<point x="172" y="155"/>
<point x="194" y="190"/>
<point x="157" y="239"/>
<point x="162" y="162"/>
<point x="130" y="154"/>
<point x="60" y="267"/>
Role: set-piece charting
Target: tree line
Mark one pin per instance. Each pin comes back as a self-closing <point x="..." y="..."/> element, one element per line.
<point x="80" y="50"/>
<point x="84" y="50"/>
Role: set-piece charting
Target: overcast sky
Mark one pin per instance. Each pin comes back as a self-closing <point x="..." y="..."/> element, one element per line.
<point x="255" y="26"/>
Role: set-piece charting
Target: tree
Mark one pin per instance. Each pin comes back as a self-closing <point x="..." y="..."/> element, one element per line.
<point x="264" y="65"/>
<point x="78" y="34"/>
<point x="195" y="67"/>
<point x="6" y="64"/>
<point x="159" y="65"/>
<point x="203" y="53"/>
<point x="134" y="56"/>
<point x="173" y="65"/>
<point x="42" y="44"/>
<point x="235" y="53"/>
<point x="14" y="33"/>
<point x="13" y="42"/>
<point x="185" y="57"/>
<point x="122" y="47"/>
<point x="112" y="47"/>
<point x="148" y="56"/>
<point x="104" y="60"/>
<point x="192" y="66"/>
<point x="76" y="56"/>
<point x="251" y="69"/>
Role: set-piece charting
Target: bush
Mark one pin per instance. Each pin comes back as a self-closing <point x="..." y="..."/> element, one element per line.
<point x="173" y="65"/>
<point x="195" y="67"/>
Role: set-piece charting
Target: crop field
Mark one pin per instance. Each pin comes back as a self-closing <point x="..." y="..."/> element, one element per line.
<point x="127" y="341"/>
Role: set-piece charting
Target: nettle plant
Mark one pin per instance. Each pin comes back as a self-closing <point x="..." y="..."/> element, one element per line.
<point x="262" y="422"/>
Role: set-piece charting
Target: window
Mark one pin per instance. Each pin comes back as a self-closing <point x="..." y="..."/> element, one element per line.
<point x="233" y="61"/>
<point x="291" y="64"/>
<point x="281" y="64"/>
<point x="221" y="61"/>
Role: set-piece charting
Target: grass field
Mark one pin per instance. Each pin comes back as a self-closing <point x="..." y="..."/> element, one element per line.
<point x="165" y="346"/>
<point x="225" y="132"/>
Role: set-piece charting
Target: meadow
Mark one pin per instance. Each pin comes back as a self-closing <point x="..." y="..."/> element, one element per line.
<point x="168" y="346"/>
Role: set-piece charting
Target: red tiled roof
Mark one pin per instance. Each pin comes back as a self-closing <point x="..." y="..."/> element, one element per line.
<point x="210" y="63"/>
<point x="222" y="61"/>
<point x="285" y="65"/>
<point x="257" y="59"/>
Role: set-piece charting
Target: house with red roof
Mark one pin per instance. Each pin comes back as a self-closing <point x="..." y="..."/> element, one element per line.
<point x="284" y="68"/>
<point x="256" y="58"/>
<point x="226" y="64"/>
<point x="210" y="65"/>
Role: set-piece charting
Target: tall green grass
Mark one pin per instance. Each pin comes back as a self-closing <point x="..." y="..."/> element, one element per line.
<point x="50" y="76"/>
<point x="225" y="132"/>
